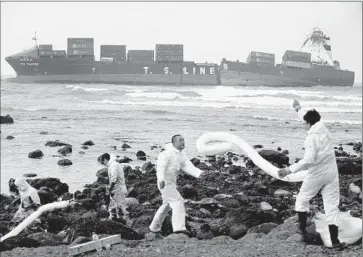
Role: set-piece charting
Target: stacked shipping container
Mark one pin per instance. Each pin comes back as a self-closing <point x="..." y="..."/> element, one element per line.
<point x="169" y="53"/>
<point x="117" y="52"/>
<point x="80" y="47"/>
<point x="140" y="56"/>
<point x="297" y="59"/>
<point x="261" y="58"/>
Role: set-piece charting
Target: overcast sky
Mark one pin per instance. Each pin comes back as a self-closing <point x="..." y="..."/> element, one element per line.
<point x="209" y="31"/>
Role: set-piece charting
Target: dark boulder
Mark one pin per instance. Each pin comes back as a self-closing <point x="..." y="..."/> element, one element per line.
<point x="54" y="184"/>
<point x="37" y="154"/>
<point x="18" y="241"/>
<point x="89" y="143"/>
<point x="56" y="143"/>
<point x="124" y="160"/>
<point x="102" y="173"/>
<point x="65" y="162"/>
<point x="6" y="119"/>
<point x="65" y="150"/>
<point x="124" y="146"/>
<point x="10" y="137"/>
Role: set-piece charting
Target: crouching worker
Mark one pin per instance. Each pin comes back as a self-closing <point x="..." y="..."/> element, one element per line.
<point x="29" y="201"/>
<point x="117" y="188"/>
<point x="319" y="159"/>
<point x="169" y="163"/>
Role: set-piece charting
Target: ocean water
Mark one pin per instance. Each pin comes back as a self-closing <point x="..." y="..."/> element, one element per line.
<point x="144" y="116"/>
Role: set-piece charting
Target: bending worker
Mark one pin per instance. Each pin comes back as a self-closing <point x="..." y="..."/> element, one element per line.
<point x="169" y="163"/>
<point x="319" y="159"/>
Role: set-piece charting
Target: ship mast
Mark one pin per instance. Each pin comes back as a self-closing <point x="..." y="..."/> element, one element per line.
<point x="35" y="39"/>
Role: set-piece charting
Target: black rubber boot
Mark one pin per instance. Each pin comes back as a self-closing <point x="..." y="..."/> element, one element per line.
<point x="336" y="245"/>
<point x="303" y="218"/>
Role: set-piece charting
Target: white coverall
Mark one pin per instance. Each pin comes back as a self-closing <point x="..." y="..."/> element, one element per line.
<point x="118" y="194"/>
<point x="319" y="159"/>
<point x="169" y="163"/>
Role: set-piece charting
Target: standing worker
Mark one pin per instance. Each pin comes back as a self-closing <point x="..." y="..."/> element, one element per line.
<point x="319" y="159"/>
<point x="117" y="188"/>
<point x="169" y="163"/>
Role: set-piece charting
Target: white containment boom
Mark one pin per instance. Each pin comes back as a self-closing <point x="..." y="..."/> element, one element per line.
<point x="220" y="142"/>
<point x="29" y="220"/>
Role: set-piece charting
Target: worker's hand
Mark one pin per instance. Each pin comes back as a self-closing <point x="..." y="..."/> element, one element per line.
<point x="296" y="105"/>
<point x="284" y="172"/>
<point x="162" y="184"/>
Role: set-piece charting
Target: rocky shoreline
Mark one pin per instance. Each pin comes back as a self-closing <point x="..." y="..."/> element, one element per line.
<point x="233" y="205"/>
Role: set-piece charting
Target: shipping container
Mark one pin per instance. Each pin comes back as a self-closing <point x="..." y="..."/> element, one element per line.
<point x="46" y="53"/>
<point x="140" y="53"/>
<point x="59" y="53"/>
<point x="84" y="45"/>
<point x="169" y="46"/>
<point x="302" y="65"/>
<point x="261" y="60"/>
<point x="171" y="58"/>
<point x="261" y="54"/>
<point x="45" y="47"/>
<point x="296" y="56"/>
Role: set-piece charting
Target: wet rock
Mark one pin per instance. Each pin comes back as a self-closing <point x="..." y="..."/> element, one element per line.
<point x="286" y="152"/>
<point x="103" y="180"/>
<point x="46" y="239"/>
<point x="279" y="149"/>
<point x="238" y="231"/>
<point x="257" y="146"/>
<point x="54" y="184"/>
<point x="44" y="133"/>
<point x="37" y="154"/>
<point x="56" y="143"/>
<point x="357" y="147"/>
<point x="84" y="147"/>
<point x="195" y="161"/>
<point x="234" y="169"/>
<point x="264" y="228"/>
<point x="148" y="167"/>
<point x="274" y="156"/>
<point x="189" y="192"/>
<point x="89" y="143"/>
<point x="141" y="155"/>
<point x="6" y="119"/>
<point x="65" y="150"/>
<point x="125" y="146"/>
<point x="81" y="152"/>
<point x="18" y="241"/>
<point x="29" y="175"/>
<point x="46" y="195"/>
<point x="124" y="160"/>
<point x="88" y="203"/>
<point x="65" y="162"/>
<point x="348" y="165"/>
<point x="10" y="137"/>
<point x="102" y="173"/>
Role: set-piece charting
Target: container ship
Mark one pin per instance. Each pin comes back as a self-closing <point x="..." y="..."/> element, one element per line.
<point x="313" y="65"/>
<point x="165" y="65"/>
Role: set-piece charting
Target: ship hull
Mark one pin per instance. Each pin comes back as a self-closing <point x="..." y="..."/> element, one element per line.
<point x="245" y="74"/>
<point x="120" y="79"/>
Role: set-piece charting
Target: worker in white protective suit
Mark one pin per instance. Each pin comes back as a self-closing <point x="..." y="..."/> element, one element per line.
<point x="29" y="201"/>
<point x="169" y="163"/>
<point x="319" y="159"/>
<point x="117" y="189"/>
